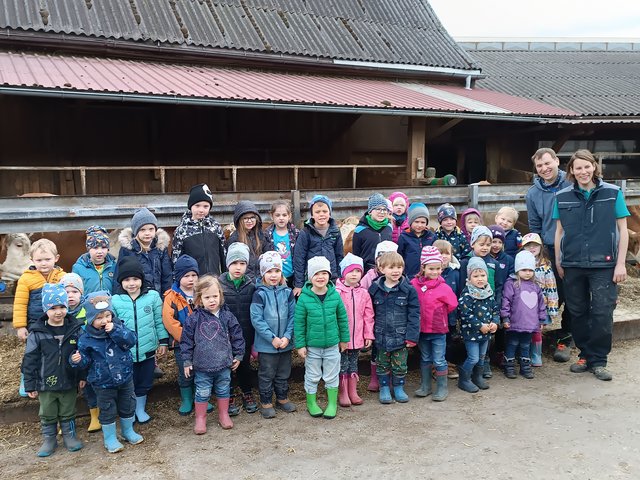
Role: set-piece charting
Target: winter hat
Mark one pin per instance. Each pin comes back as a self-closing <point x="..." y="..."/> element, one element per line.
<point x="199" y="193"/>
<point x="476" y="263"/>
<point x="525" y="261"/>
<point x="96" y="303"/>
<point x="54" y="294"/>
<point x="237" y="252"/>
<point x="95" y="229"/>
<point x="446" y="210"/>
<point x="395" y="195"/>
<point x="269" y="260"/>
<point x="129" y="267"/>
<point x="350" y="263"/>
<point x="497" y="232"/>
<point x="243" y="207"/>
<point x="531" y="238"/>
<point x="142" y="217"/>
<point x="317" y="264"/>
<point x="430" y="254"/>
<point x="376" y="200"/>
<point x="480" y="231"/>
<point x="184" y="265"/>
<point x="97" y="239"/>
<point x="320" y="198"/>
<point x="385" y="247"/>
<point x="417" y="210"/>
<point x="72" y="280"/>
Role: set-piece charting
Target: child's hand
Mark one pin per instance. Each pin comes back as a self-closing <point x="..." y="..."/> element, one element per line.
<point x="235" y="364"/>
<point x="410" y="344"/>
<point x="32" y="394"/>
<point x="187" y="372"/>
<point x="343" y="346"/>
<point x="506" y="325"/>
<point x="76" y="357"/>
<point x="493" y="327"/>
<point x="162" y="351"/>
<point x="108" y="327"/>
<point x="276" y="342"/>
<point x="484" y="328"/>
<point x="368" y="343"/>
<point x="302" y="352"/>
<point x="297" y="291"/>
<point x="284" y="342"/>
<point x="22" y="334"/>
<point x="82" y="384"/>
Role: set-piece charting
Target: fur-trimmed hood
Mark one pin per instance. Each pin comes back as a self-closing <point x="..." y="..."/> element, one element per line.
<point x="128" y="241"/>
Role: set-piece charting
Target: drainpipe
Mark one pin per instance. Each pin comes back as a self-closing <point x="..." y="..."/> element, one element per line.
<point x="467" y="82"/>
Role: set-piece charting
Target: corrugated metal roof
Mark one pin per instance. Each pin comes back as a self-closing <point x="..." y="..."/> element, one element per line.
<point x="588" y="82"/>
<point x="398" y="31"/>
<point x="128" y="77"/>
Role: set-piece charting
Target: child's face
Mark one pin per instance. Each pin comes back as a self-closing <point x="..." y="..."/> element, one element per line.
<point x="273" y="277"/>
<point x="448" y="224"/>
<point x="392" y="273"/>
<point x="146" y="234"/>
<point x="56" y="315"/>
<point x="281" y="217"/>
<point x="44" y="261"/>
<point x="471" y="221"/>
<point x="496" y="246"/>
<point x="432" y="270"/>
<point x="446" y="258"/>
<point x="73" y="295"/>
<point x="200" y="210"/>
<point x="478" y="278"/>
<point x="353" y="277"/>
<point x="482" y="246"/>
<point x="419" y="225"/>
<point x="102" y="319"/>
<point x="534" y="248"/>
<point x="505" y="221"/>
<point x="526" y="274"/>
<point x="320" y="279"/>
<point x="188" y="281"/>
<point x="249" y="220"/>
<point x="210" y="299"/>
<point x="132" y="285"/>
<point x="97" y="255"/>
<point x="379" y="214"/>
<point x="321" y="214"/>
<point x="399" y="206"/>
<point x="237" y="269"/>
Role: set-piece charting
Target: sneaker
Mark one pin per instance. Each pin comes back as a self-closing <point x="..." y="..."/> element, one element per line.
<point x="453" y="371"/>
<point x="267" y="411"/>
<point x="562" y="353"/>
<point x="579" y="367"/>
<point x="602" y="373"/>
<point x="234" y="410"/>
<point x="249" y="404"/>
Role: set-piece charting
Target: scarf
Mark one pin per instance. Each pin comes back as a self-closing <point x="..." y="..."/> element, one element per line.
<point x="377" y="225"/>
<point x="399" y="218"/>
<point x="479" y="293"/>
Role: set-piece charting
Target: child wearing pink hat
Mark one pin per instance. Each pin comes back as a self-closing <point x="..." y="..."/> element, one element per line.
<point x="399" y="222"/>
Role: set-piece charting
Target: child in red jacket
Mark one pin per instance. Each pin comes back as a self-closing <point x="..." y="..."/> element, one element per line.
<point x="437" y="300"/>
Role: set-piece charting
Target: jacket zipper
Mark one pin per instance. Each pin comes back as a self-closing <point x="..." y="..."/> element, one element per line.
<point x="277" y="310"/>
<point x="135" y="323"/>
<point x="353" y="308"/>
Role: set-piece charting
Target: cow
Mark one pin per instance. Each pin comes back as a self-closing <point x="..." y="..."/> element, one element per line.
<point x="17" y="260"/>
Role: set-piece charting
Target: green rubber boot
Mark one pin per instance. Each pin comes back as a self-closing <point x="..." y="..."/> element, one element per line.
<point x="332" y="403"/>
<point x="312" y="405"/>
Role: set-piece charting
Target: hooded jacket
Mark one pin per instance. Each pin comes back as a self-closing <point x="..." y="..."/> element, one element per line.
<point x="272" y="315"/>
<point x="366" y="239"/>
<point x="243" y="207"/>
<point x="437" y="301"/>
<point x="45" y="364"/>
<point x="311" y="244"/>
<point x="156" y="264"/>
<point x="107" y="355"/>
<point x="320" y="324"/>
<point x="92" y="280"/>
<point x="463" y="227"/>
<point x="175" y="310"/>
<point x="523" y="305"/>
<point x="359" y="308"/>
<point x="410" y="248"/>
<point x="27" y="302"/>
<point x="540" y="199"/>
<point x="201" y="239"/>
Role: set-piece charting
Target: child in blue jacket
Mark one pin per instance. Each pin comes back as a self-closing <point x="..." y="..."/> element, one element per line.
<point x="97" y="267"/>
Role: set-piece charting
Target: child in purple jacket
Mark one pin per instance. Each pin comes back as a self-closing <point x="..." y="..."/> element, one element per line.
<point x="523" y="309"/>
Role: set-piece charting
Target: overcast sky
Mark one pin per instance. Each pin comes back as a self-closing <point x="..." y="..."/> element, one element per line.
<point x="540" y="18"/>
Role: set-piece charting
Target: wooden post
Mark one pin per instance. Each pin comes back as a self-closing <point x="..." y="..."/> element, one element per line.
<point x="295" y="204"/>
<point x="416" y="149"/>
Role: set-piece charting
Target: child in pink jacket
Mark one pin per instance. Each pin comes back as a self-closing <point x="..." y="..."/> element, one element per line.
<point x="360" y="312"/>
<point x="437" y="300"/>
<point x="399" y="206"/>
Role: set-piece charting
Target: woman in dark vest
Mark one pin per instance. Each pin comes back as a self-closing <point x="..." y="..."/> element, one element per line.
<point x="591" y="247"/>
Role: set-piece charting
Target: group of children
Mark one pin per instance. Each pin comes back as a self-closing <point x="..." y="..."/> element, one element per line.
<point x="220" y="303"/>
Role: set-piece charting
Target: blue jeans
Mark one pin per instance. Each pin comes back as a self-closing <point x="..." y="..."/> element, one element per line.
<point x="321" y="363"/>
<point x="591" y="298"/>
<point x="219" y="381"/>
<point x="433" y="347"/>
<point x="513" y="340"/>
<point x="475" y="353"/>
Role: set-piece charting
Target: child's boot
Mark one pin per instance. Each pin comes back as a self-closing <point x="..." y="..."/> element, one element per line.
<point x="129" y="434"/>
<point x="510" y="367"/>
<point x="332" y="403"/>
<point x="234" y="410"/>
<point x="201" y="418"/>
<point x="49" y="442"/>
<point x="69" y="436"/>
<point x="478" y="377"/>
<point x="353" y="389"/>
<point x="374" y="384"/>
<point x="111" y="442"/>
<point x="141" y="404"/>
<point x="536" y="349"/>
<point x="21" y="390"/>
<point x="344" y="391"/>
<point x="486" y="368"/>
<point x="312" y="405"/>
<point x="398" y="390"/>
<point x="425" y="381"/>
<point x="525" y="368"/>
<point x="223" y="414"/>
<point x="385" y="389"/>
<point x="442" y="389"/>
<point x="94" y="424"/>
<point x="464" y="381"/>
<point x="186" y="401"/>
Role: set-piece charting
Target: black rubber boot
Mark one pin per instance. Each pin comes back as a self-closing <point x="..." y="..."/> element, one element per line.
<point x="477" y="377"/>
<point x="525" y="368"/>
<point x="464" y="381"/>
<point x="510" y="368"/>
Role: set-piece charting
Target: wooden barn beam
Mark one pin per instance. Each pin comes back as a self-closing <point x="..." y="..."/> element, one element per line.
<point x="416" y="149"/>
